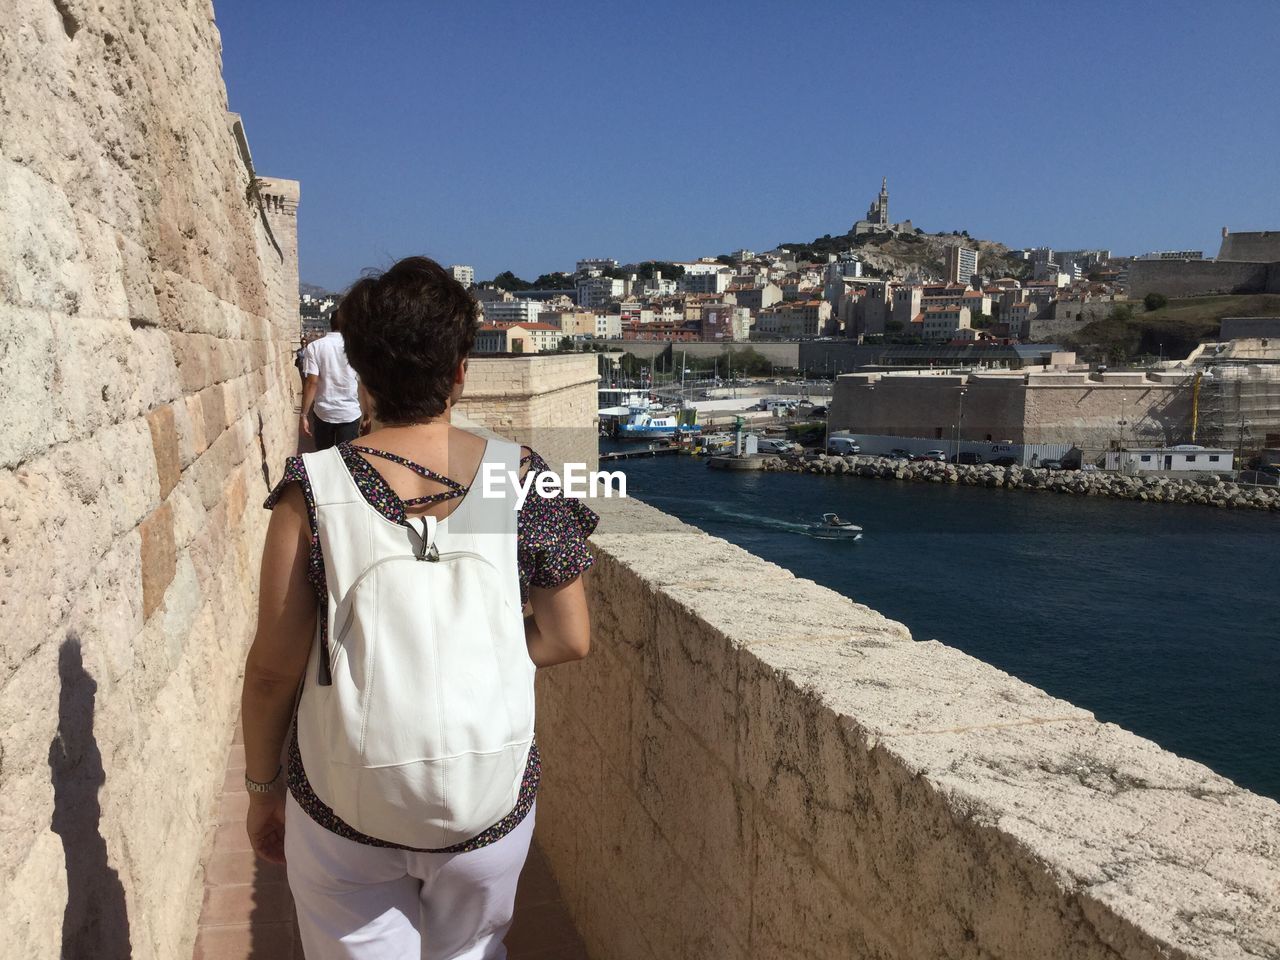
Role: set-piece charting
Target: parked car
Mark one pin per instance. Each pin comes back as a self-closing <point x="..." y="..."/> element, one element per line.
<point x="842" y="446"/>
<point x="1051" y="465"/>
<point x="897" y="453"/>
<point x="1003" y="461"/>
<point x="939" y="456"/>
<point x="818" y="412"/>
<point x="776" y="447"/>
<point x="965" y="456"/>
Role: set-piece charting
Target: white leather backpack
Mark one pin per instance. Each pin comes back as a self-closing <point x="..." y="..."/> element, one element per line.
<point x="416" y="715"/>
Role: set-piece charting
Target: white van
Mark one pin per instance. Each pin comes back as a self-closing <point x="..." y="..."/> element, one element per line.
<point x="842" y="446"/>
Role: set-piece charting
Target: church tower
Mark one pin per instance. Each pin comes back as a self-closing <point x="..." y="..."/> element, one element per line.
<point x="878" y="213"/>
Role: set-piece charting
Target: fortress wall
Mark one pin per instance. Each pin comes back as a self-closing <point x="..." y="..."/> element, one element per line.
<point x="1039" y="408"/>
<point x="921" y="406"/>
<point x="1194" y="278"/>
<point x="1259" y="247"/>
<point x="1090" y="414"/>
<point x="147" y="311"/>
<point x="546" y="402"/>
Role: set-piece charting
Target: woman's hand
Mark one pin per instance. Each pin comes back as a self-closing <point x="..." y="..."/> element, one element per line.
<point x="265" y="825"/>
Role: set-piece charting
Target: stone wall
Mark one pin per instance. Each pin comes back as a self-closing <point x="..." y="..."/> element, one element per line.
<point x="146" y="313"/>
<point x="547" y="402"/>
<point x="751" y="766"/>
<point x="1040" y="407"/>
<point x="1195" y="278"/>
<point x="1260" y="246"/>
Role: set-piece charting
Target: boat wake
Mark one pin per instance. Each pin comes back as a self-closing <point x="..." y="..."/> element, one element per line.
<point x="756" y="520"/>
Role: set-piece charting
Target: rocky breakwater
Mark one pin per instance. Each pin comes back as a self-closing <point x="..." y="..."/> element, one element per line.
<point x="1211" y="490"/>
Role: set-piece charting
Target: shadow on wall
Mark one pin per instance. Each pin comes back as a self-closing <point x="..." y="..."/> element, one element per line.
<point x="96" y="921"/>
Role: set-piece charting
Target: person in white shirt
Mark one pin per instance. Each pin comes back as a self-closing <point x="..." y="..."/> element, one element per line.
<point x="331" y="390"/>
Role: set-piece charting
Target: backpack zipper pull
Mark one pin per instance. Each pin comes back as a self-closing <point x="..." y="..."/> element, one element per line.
<point x="426" y="547"/>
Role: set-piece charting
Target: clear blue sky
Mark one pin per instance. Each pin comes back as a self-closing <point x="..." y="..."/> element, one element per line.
<point x="525" y="135"/>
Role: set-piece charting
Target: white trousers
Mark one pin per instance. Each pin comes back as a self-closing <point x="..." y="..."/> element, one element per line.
<point x="357" y="902"/>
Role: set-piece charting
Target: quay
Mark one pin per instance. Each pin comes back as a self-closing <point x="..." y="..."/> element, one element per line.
<point x="649" y="451"/>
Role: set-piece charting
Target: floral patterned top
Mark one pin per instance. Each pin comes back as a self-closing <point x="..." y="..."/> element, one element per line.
<point x="551" y="550"/>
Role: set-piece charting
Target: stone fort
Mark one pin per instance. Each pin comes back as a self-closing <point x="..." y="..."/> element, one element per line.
<point x="1246" y="263"/>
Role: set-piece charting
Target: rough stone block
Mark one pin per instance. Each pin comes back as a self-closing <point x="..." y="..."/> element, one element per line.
<point x="164" y="444"/>
<point x="159" y="558"/>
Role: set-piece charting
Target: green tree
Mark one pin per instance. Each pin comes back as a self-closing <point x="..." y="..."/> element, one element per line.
<point x="630" y="365"/>
<point x="554" y="281"/>
<point x="747" y="360"/>
<point x="566" y="345"/>
<point x="1154" y="301"/>
<point x="510" y="282"/>
<point x="1121" y="313"/>
<point x="669" y="271"/>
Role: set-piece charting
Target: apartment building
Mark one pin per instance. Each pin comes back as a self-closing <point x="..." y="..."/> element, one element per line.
<point x="595" y="292"/>
<point x="943" y="323"/>
<point x="802" y="318"/>
<point x="511" y="311"/>
<point x="962" y="264"/>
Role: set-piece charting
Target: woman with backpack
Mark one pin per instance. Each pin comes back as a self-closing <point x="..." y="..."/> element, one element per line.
<point x="404" y="606"/>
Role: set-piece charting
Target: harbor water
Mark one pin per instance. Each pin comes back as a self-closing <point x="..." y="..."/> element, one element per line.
<point x="1162" y="618"/>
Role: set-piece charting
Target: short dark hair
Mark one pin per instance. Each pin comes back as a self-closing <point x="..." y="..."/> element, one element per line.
<point x="405" y="332"/>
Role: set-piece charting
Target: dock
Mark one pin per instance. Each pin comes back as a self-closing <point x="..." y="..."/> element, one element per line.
<point x="649" y="451"/>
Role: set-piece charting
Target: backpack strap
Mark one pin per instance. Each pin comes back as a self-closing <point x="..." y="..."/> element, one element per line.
<point x="330" y="479"/>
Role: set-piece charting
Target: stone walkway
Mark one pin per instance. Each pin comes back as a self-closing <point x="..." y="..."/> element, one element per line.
<point x="248" y="913"/>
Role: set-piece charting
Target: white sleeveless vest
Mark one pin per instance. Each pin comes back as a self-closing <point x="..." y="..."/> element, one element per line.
<point x="422" y="736"/>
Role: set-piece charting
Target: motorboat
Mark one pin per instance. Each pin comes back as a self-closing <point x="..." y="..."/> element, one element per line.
<point x="832" y="527"/>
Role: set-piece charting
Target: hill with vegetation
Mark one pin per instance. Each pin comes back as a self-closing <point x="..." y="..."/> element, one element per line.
<point x="1173" y="329"/>
<point x="925" y="254"/>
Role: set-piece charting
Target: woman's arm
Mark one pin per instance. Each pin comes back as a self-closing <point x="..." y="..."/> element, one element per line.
<point x="281" y="647"/>
<point x="560" y="628"/>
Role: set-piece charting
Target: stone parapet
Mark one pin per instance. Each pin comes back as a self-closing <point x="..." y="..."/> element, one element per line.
<point x="749" y="765"/>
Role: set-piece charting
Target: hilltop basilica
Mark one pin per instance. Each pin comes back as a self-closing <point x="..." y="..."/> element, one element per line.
<point x="878" y="216"/>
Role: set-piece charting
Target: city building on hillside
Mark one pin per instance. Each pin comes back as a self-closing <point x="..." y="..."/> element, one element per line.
<point x="979" y="303"/>
<point x="596" y="266"/>
<point x="871" y="310"/>
<point x="596" y="291"/>
<point x="943" y="323"/>
<point x="656" y="286"/>
<point x="962" y="264"/>
<point x="907" y="303"/>
<point x="800" y="288"/>
<point x="740" y="256"/>
<point x="511" y="311"/>
<point x="803" y="318"/>
<point x="715" y="281"/>
<point x="464" y="274"/>
<point x="663" y="330"/>
<point x="1017" y="318"/>
<point x="758" y="298"/>
<point x="723" y="322"/>
<point x="532" y="337"/>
